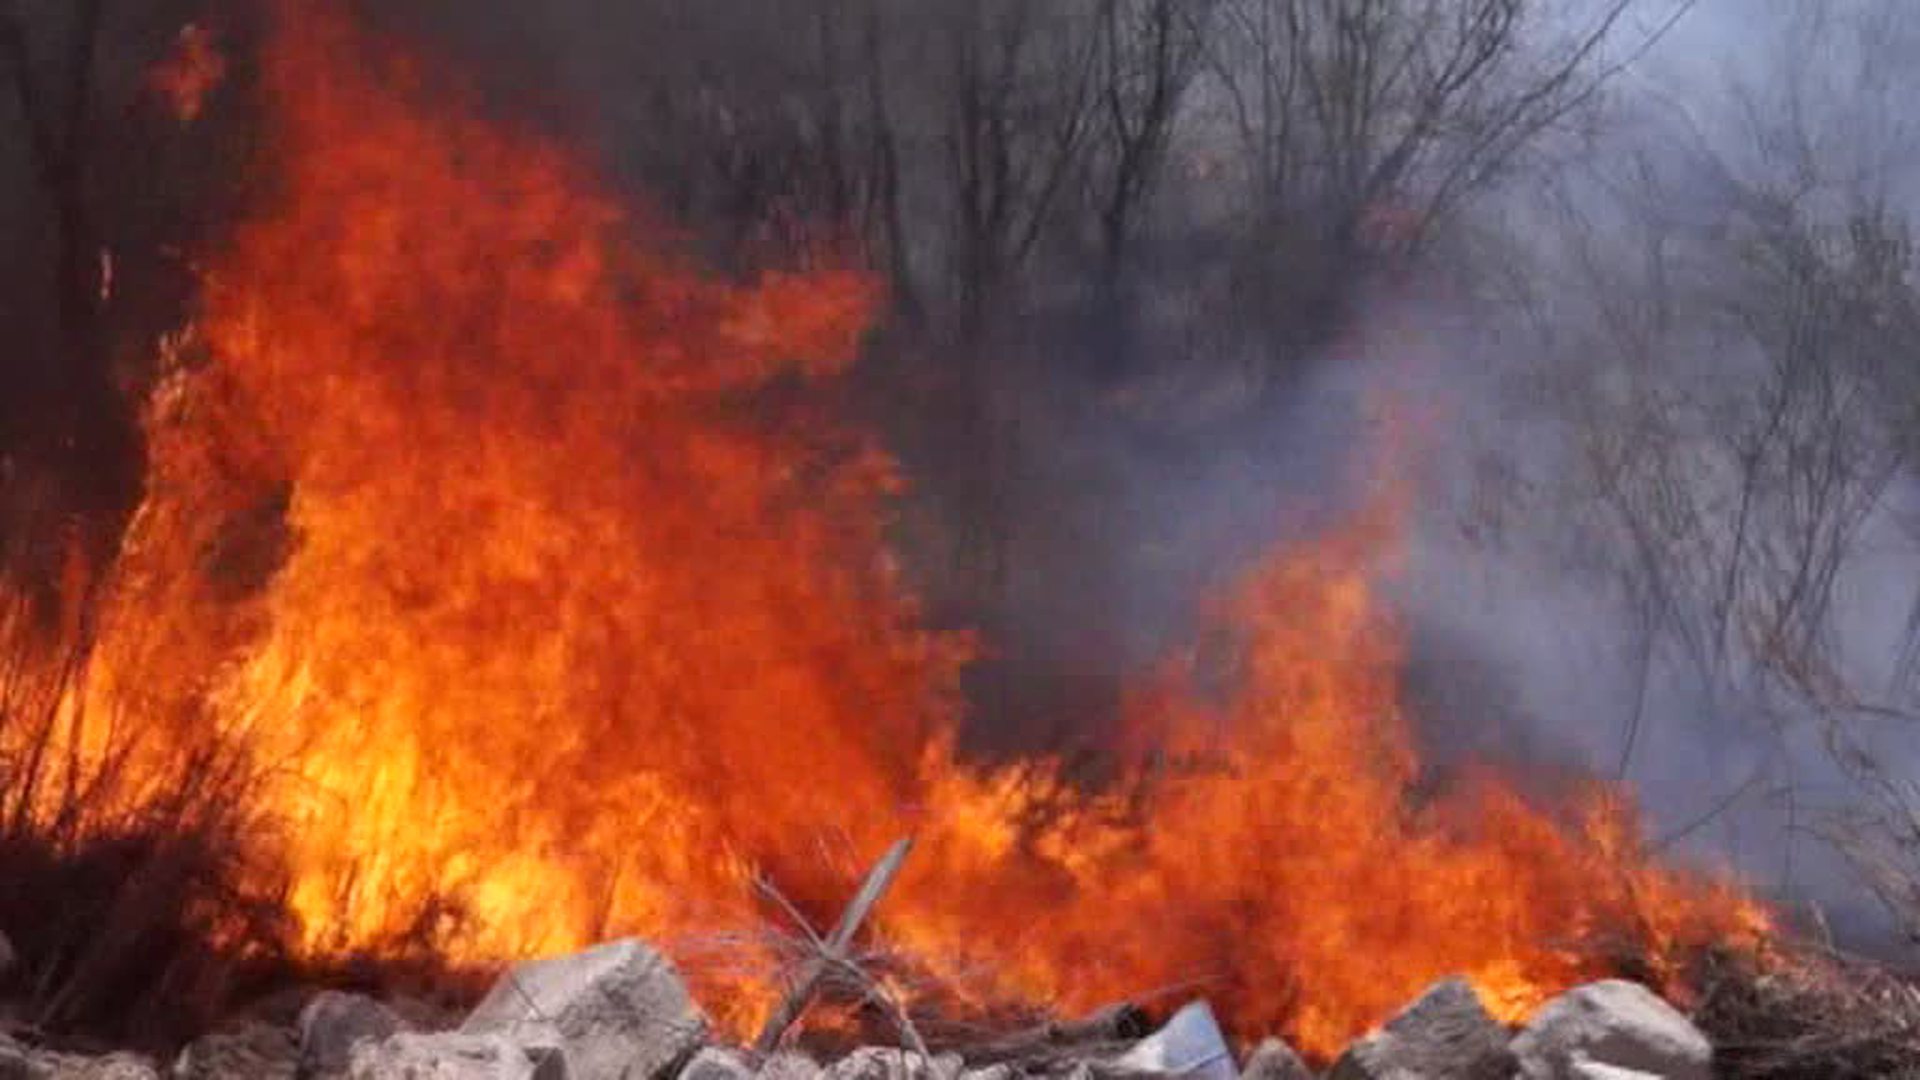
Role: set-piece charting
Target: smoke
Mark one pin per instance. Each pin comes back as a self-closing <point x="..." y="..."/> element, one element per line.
<point x="1511" y="578"/>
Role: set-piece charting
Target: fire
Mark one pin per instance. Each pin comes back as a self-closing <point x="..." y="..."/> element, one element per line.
<point x="1295" y="876"/>
<point x="529" y="559"/>
<point x="462" y="523"/>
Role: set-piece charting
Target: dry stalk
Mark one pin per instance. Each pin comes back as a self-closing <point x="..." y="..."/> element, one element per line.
<point x="1811" y="1014"/>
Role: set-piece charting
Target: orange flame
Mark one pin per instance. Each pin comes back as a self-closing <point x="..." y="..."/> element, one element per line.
<point x="519" y="549"/>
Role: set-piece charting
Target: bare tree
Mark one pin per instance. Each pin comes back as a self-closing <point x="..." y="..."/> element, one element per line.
<point x="1743" y="406"/>
<point x="1362" y="126"/>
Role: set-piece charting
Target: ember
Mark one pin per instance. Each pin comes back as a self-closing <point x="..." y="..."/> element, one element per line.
<point x="460" y="521"/>
<point x="189" y="74"/>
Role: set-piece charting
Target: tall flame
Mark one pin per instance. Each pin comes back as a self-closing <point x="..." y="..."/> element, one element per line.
<point x="462" y="521"/>
<point x="525" y="555"/>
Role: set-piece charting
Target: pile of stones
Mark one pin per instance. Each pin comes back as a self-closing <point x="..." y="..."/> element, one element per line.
<point x="621" y="1012"/>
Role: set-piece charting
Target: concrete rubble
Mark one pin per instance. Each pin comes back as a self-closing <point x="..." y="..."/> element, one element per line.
<point x="717" y="1063"/>
<point x="333" y="1023"/>
<point x="789" y="1065"/>
<point x="20" y="1062"/>
<point x="253" y="1049"/>
<point x="454" y="1055"/>
<point x="621" y="1012"/>
<point x="15" y="1062"/>
<point x="1446" y="1033"/>
<point x="615" y="1012"/>
<point x="1614" y="1029"/>
<point x="889" y="1063"/>
<point x="990" y="1072"/>
<point x="1274" y="1060"/>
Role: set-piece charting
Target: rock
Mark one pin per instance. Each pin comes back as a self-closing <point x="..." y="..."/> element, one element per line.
<point x="1274" y="1060"/>
<point x="1447" y="1033"/>
<point x="15" y="1064"/>
<point x="716" y="1063"/>
<point x="990" y="1072"/>
<point x="890" y="1063"/>
<point x="877" y="1063"/>
<point x="116" y="1066"/>
<point x="252" y="1051"/>
<point x="19" y="1061"/>
<point x="452" y="1055"/>
<point x="1189" y="1044"/>
<point x="616" y="1012"/>
<point x="332" y="1023"/>
<point x="1593" y="1070"/>
<point x="1092" y="1068"/>
<point x="791" y="1065"/>
<point x="1611" y="1025"/>
<point x="419" y="1014"/>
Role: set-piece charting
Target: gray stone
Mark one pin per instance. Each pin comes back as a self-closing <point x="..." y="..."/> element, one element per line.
<point x="990" y="1072"/>
<point x="116" y="1066"/>
<point x="1593" y="1070"/>
<point x="452" y="1055"/>
<point x="332" y="1023"/>
<point x="1274" y="1060"/>
<point x="417" y="1014"/>
<point x="253" y="1051"/>
<point x="1613" y="1024"/>
<point x="1446" y="1033"/>
<point x="1090" y="1068"/>
<point x="616" y="1012"/>
<point x="15" y="1062"/>
<point x="19" y="1061"/>
<point x="890" y="1063"/>
<point x="716" y="1063"/>
<point x="790" y="1065"/>
<point x="876" y="1063"/>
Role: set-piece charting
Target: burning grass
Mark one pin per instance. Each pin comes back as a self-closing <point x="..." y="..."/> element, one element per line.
<point x="131" y="905"/>
<point x="141" y="908"/>
<point x="471" y="519"/>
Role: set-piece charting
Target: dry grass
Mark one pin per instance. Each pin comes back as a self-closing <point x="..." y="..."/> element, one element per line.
<point x="1811" y="1014"/>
